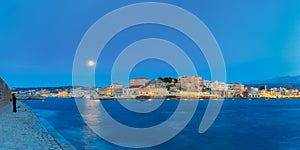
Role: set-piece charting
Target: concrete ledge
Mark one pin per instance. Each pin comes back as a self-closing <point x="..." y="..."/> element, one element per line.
<point x="63" y="143"/>
<point x="24" y="130"/>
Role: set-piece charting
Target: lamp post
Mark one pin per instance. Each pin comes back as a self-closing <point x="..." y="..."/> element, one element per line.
<point x="91" y="64"/>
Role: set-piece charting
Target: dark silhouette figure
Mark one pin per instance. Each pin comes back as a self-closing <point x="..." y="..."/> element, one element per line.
<point x="14" y="100"/>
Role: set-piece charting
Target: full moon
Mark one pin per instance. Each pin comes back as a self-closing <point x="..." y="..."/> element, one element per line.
<point x="91" y="63"/>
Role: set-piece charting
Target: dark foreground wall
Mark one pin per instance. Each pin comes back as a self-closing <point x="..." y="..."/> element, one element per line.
<point x="4" y="93"/>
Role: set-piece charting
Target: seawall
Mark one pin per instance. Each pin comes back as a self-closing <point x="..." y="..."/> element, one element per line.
<point x="4" y="93"/>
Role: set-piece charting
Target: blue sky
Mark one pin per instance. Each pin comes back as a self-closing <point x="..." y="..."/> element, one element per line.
<point x="38" y="39"/>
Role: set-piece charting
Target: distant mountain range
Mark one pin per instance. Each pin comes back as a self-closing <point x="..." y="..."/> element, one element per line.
<point x="285" y="81"/>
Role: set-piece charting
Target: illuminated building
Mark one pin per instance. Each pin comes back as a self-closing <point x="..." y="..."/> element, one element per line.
<point x="139" y="81"/>
<point x="132" y="90"/>
<point x="115" y="89"/>
<point x="63" y="94"/>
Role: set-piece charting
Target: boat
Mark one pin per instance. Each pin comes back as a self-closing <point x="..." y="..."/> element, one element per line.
<point x="171" y="96"/>
<point x="142" y="97"/>
<point x="37" y="98"/>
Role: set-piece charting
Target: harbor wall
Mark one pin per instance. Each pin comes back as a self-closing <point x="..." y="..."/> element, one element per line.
<point x="4" y="93"/>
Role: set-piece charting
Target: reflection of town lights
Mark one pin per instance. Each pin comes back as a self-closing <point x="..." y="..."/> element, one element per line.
<point x="91" y="63"/>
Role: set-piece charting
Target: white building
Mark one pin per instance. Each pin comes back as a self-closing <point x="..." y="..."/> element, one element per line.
<point x="219" y="86"/>
<point x="115" y="89"/>
<point x="132" y="90"/>
<point x="253" y="93"/>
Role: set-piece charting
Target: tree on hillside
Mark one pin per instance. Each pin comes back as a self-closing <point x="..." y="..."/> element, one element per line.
<point x="262" y="87"/>
<point x="168" y="80"/>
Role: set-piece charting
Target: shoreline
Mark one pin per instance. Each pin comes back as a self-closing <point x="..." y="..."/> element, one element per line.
<point x="63" y="143"/>
<point x="126" y="98"/>
<point x="27" y="130"/>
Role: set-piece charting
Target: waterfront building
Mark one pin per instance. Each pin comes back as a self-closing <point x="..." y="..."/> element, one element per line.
<point x="206" y="84"/>
<point x="144" y="91"/>
<point x="99" y="91"/>
<point x="267" y="94"/>
<point x="190" y="83"/>
<point x="219" y="93"/>
<point x="63" y="94"/>
<point x="291" y="92"/>
<point x="275" y="91"/>
<point x="154" y="88"/>
<point x="219" y="86"/>
<point x="132" y="90"/>
<point x="107" y="91"/>
<point x="77" y="92"/>
<point x="115" y="89"/>
<point x="117" y="92"/>
<point x="190" y="95"/>
<point x="154" y="92"/>
<point x="139" y="81"/>
<point x="235" y="90"/>
<point x="116" y="86"/>
<point x="231" y="94"/>
<point x="253" y="93"/>
<point x="236" y="87"/>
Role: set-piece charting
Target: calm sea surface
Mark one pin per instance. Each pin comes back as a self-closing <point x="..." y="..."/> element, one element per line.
<point x="241" y="124"/>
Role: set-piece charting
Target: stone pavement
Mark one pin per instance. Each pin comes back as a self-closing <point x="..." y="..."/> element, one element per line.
<point x="24" y="130"/>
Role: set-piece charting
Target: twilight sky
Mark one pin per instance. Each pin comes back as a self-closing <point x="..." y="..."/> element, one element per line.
<point x="38" y="39"/>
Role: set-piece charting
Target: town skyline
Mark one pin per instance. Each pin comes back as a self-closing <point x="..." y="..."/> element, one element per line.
<point x="183" y="87"/>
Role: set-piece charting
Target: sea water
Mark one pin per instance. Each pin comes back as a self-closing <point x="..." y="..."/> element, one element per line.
<point x="241" y="124"/>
